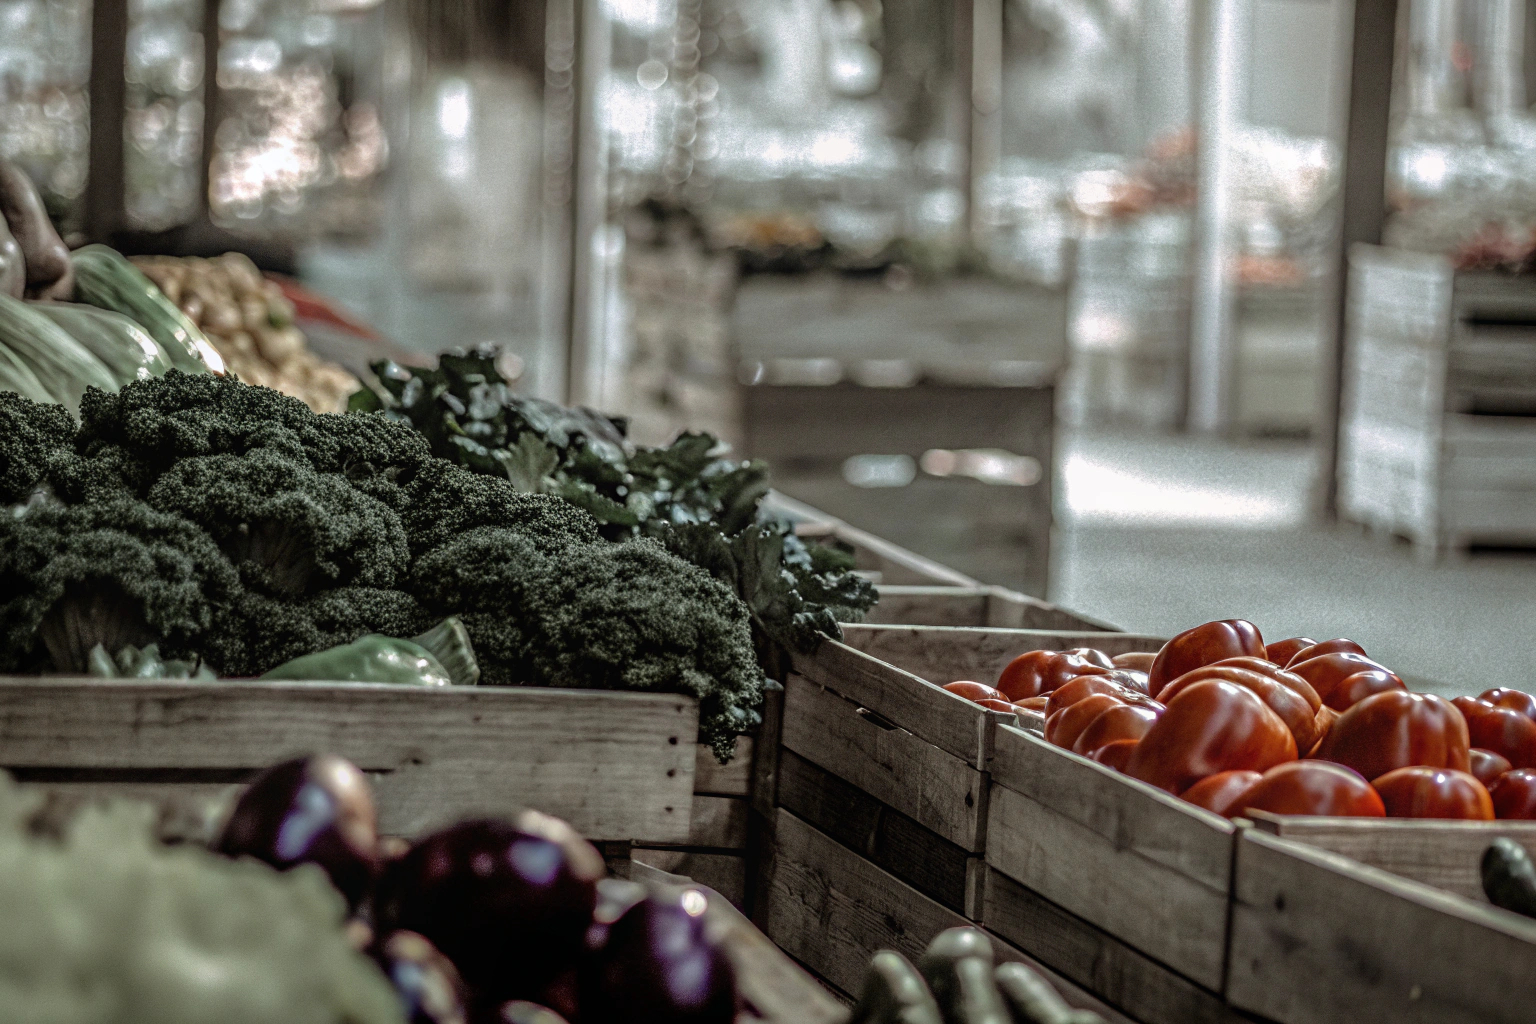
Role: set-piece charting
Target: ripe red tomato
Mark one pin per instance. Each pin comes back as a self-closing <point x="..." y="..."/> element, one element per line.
<point x="1501" y="730"/>
<point x="1282" y="651"/>
<point x="1212" y="726"/>
<point x="1290" y="680"/>
<point x="1313" y="787"/>
<point x="1328" y="673"/>
<point x="1033" y="703"/>
<point x="1354" y="689"/>
<point x="1487" y="765"/>
<point x="1037" y="672"/>
<point x="1071" y="692"/>
<point x="1515" y="700"/>
<point x="1419" y="791"/>
<point x="1125" y="722"/>
<point x="993" y="704"/>
<point x="973" y="691"/>
<point x="1326" y="716"/>
<point x="1397" y="729"/>
<point x="1128" y="678"/>
<point x="1138" y="661"/>
<point x="1514" y="795"/>
<point x="1063" y="729"/>
<point x="1115" y="754"/>
<point x="1299" y="717"/>
<point x="1339" y="646"/>
<point x="1211" y="642"/>
<point x="1221" y="791"/>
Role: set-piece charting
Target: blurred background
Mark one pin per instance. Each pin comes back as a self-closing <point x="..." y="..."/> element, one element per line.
<point x="1168" y="310"/>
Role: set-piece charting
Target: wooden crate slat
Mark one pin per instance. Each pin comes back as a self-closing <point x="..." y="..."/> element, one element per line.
<point x="972" y="606"/>
<point x="903" y="771"/>
<point x="719" y="822"/>
<point x="726" y="873"/>
<point x="445" y="753"/>
<point x="733" y="779"/>
<point x="1317" y="937"/>
<point x="943" y="654"/>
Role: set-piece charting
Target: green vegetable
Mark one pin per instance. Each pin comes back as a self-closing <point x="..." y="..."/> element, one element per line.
<point x="1509" y="878"/>
<point x="103" y="278"/>
<point x="63" y="366"/>
<point x="1033" y="1001"/>
<point x="894" y="994"/>
<point x="106" y="925"/>
<point x="133" y="663"/>
<point x="369" y="659"/>
<point x="958" y="968"/>
<point x="16" y="375"/>
<point x="121" y="345"/>
<point x="35" y="439"/>
<point x="449" y="643"/>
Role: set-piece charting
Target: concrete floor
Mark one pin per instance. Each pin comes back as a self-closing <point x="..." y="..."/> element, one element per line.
<point x="1160" y="533"/>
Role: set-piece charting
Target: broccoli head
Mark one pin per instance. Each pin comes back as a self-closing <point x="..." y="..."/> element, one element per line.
<point x="288" y="527"/>
<point x="257" y="633"/>
<point x="112" y="573"/>
<point x="34" y="438"/>
<point x="444" y="502"/>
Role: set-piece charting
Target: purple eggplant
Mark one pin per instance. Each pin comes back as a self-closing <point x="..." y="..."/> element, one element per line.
<point x="314" y="810"/>
<point x="659" y="967"/>
<point x="509" y="903"/>
<point x="428" y="985"/>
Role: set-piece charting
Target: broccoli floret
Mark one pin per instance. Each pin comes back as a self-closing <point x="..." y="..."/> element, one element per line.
<point x="114" y="573"/>
<point x="611" y="616"/>
<point x="259" y="633"/>
<point x="444" y="502"/>
<point x="289" y="528"/>
<point x="33" y="439"/>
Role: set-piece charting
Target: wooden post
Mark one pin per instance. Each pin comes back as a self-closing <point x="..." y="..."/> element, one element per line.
<point x="1364" y="208"/>
<point x="108" y="91"/>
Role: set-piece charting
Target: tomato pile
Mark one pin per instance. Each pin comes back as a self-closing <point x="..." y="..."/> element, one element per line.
<point x="1230" y="724"/>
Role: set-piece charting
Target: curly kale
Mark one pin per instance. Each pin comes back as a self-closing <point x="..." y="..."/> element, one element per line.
<point x="444" y="502"/>
<point x="257" y="633"/>
<point x="34" y="438"/>
<point x="613" y="616"/>
<point x="113" y="573"/>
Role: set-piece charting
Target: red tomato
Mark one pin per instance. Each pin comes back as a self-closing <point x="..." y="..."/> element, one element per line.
<point x="1221" y="791"/>
<point x="973" y="691"/>
<point x="1128" y="678"/>
<point x="1419" y="791"/>
<point x="1397" y="729"/>
<point x="1282" y="651"/>
<point x="1327" y="672"/>
<point x="1514" y="795"/>
<point x="1468" y="705"/>
<point x="1340" y="646"/>
<point x="1488" y="766"/>
<point x="1326" y="716"/>
<point x="1037" y="672"/>
<point x="1125" y="722"/>
<point x="1063" y="729"/>
<point x="1211" y="642"/>
<point x="1139" y="661"/>
<point x="1313" y="787"/>
<point x="1294" y="711"/>
<point x="1289" y="679"/>
<point x="1071" y="692"/>
<point x="1354" y="689"/>
<point x="992" y="704"/>
<point x="1501" y="730"/>
<point x="1212" y="726"/>
<point x="1114" y="754"/>
<point x="1515" y="700"/>
<point x="1032" y="703"/>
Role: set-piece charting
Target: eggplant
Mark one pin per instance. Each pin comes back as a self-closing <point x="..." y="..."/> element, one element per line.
<point x="313" y="810"/>
<point x="520" y="1012"/>
<point x="429" y="987"/>
<point x="1509" y="879"/>
<point x="659" y="967"/>
<point x="509" y="903"/>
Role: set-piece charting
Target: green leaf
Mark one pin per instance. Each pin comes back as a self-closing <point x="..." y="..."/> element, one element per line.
<point x="364" y="400"/>
<point x="528" y="464"/>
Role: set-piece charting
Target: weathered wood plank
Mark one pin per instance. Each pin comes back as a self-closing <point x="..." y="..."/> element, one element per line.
<point x="927" y="711"/>
<point x="718" y="822"/>
<point x="1163" y="912"/>
<point x="442" y="753"/>
<point x="942" y="654"/>
<point x="1317" y="937"/>
<point x="764" y="791"/>
<point x="716" y="779"/>
<point x="973" y="606"/>
<point x="934" y="866"/>
<point x="726" y="873"/>
<point x="1096" y="960"/>
<point x="902" y="771"/>
<point x="1442" y="854"/>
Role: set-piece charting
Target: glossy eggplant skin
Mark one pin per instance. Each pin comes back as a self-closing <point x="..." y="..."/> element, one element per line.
<point x="509" y="903"/>
<point x="429" y="986"/>
<point x="659" y="967"/>
<point x="312" y="810"/>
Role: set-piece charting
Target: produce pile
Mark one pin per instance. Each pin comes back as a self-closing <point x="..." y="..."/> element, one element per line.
<point x="232" y="526"/>
<point x="699" y="506"/>
<point x="1232" y="724"/>
<point x="250" y="323"/>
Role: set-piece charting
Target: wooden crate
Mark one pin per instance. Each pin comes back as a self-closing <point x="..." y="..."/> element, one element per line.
<point x="715" y="853"/>
<point x="876" y="557"/>
<point x="973" y="606"/>
<point x="1321" y="938"/>
<point x="832" y="910"/>
<point x="435" y="754"/>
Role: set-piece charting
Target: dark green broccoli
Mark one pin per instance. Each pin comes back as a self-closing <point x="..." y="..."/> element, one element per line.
<point x="289" y="528"/>
<point x="33" y="440"/>
<point x="257" y="633"/>
<point x="113" y="573"/>
<point x="612" y="616"/>
<point x="445" y="501"/>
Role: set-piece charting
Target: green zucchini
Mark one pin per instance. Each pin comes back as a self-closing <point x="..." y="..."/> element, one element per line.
<point x="117" y="341"/>
<point x="894" y="994"/>
<point x="17" y="376"/>
<point x="103" y="278"/>
<point x="1033" y="1001"/>
<point x="64" y="367"/>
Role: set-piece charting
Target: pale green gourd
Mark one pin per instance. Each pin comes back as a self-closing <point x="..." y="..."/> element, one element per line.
<point x="63" y="366"/>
